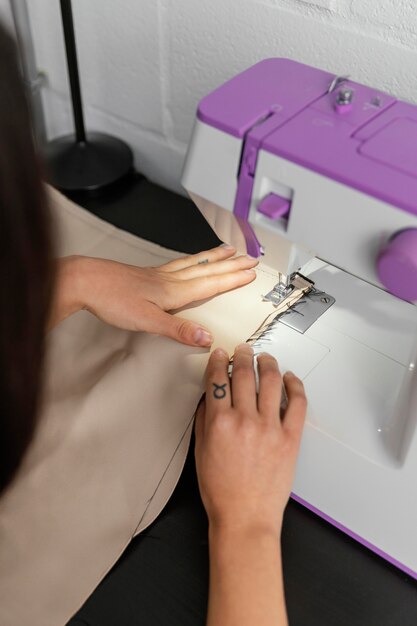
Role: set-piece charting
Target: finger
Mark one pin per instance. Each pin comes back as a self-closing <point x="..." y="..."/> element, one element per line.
<point x="208" y="286"/>
<point x="219" y="267"/>
<point x="270" y="386"/>
<point x="218" y="395"/>
<point x="294" y="415"/>
<point x="243" y="379"/>
<point x="208" y="256"/>
<point x="183" y="331"/>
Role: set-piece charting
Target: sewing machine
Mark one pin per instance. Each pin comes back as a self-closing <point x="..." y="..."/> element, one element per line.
<point x="319" y="175"/>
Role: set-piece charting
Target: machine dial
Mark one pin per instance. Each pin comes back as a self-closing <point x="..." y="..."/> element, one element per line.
<point x="397" y="264"/>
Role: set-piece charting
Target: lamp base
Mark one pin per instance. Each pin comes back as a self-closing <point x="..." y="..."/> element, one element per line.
<point x="89" y="166"/>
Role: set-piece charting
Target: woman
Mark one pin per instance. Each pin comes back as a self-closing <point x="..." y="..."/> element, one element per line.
<point x="245" y="455"/>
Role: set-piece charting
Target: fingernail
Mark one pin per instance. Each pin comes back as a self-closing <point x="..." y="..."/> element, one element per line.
<point x="244" y="346"/>
<point x="220" y="352"/>
<point x="227" y="246"/>
<point x="250" y="272"/>
<point x="202" y="337"/>
<point x="289" y="373"/>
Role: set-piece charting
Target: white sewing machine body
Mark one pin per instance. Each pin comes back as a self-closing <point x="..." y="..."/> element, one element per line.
<point x="322" y="174"/>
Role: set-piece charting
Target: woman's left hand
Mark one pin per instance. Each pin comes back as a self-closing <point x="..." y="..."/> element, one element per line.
<point x="139" y="298"/>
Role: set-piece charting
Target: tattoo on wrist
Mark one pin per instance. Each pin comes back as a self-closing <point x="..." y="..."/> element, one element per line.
<point x="219" y="391"/>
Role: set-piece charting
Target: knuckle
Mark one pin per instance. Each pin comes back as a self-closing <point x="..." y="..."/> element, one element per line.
<point x="221" y="422"/>
<point x="212" y="374"/>
<point x="243" y="370"/>
<point x="271" y="376"/>
<point x="299" y="394"/>
<point x="183" y="329"/>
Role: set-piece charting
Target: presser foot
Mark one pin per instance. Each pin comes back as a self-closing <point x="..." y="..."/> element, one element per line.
<point x="286" y="286"/>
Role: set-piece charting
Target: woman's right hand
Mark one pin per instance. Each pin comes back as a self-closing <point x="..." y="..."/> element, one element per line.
<point x="245" y="453"/>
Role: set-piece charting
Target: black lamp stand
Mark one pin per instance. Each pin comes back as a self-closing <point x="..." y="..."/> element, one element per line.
<point x="84" y="162"/>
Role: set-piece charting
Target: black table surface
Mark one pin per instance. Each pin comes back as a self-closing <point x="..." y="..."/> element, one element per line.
<point x="330" y="579"/>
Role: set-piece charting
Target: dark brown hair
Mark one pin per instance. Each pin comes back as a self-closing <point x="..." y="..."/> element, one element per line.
<point x="25" y="268"/>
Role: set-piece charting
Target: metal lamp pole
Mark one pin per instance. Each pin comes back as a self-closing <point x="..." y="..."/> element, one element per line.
<point x="84" y="161"/>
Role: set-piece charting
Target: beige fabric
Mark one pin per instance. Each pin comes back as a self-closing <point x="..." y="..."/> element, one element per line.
<point x="113" y="435"/>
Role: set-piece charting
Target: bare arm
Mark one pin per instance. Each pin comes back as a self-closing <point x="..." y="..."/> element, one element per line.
<point x="140" y="298"/>
<point x="245" y="456"/>
<point x="246" y="585"/>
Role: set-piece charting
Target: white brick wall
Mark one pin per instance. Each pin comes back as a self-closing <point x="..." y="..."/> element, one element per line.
<point x="5" y="14"/>
<point x="144" y="65"/>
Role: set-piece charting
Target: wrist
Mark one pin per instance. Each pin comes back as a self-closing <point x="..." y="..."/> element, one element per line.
<point x="250" y="517"/>
<point x="79" y="281"/>
<point x="238" y="532"/>
<point x="73" y="272"/>
<point x="68" y="297"/>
